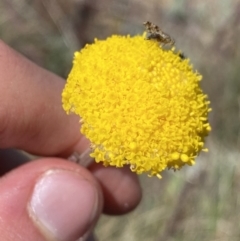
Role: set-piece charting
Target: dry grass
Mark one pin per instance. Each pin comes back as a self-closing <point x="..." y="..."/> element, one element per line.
<point x="198" y="203"/>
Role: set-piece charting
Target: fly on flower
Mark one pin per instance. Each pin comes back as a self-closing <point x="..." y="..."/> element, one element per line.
<point x="154" y="32"/>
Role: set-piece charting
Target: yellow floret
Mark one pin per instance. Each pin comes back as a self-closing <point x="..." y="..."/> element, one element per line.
<point x="139" y="104"/>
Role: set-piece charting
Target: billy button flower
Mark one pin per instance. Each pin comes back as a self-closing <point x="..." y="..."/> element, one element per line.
<point x="139" y="104"/>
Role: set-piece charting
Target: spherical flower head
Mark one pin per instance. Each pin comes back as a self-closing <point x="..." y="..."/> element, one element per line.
<point x="140" y="104"/>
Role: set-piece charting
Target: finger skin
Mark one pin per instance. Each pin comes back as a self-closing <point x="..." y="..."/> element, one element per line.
<point x="31" y="114"/>
<point x="121" y="188"/>
<point x="15" y="191"/>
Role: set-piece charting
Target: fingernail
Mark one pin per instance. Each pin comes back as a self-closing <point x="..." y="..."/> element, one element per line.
<point x="63" y="205"/>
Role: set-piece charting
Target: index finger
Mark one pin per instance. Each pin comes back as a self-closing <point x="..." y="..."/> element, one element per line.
<point x="31" y="115"/>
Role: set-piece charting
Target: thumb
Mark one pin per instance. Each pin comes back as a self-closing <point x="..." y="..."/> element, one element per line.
<point x="48" y="200"/>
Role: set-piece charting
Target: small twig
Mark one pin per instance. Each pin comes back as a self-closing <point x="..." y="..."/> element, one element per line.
<point x="83" y="159"/>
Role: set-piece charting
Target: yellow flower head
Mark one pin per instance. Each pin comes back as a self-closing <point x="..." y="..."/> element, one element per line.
<point x="139" y="104"/>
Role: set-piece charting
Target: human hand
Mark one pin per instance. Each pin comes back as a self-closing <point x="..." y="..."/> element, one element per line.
<point x="51" y="198"/>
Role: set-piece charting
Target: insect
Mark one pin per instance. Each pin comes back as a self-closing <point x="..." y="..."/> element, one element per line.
<point x="182" y="56"/>
<point x="154" y="32"/>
